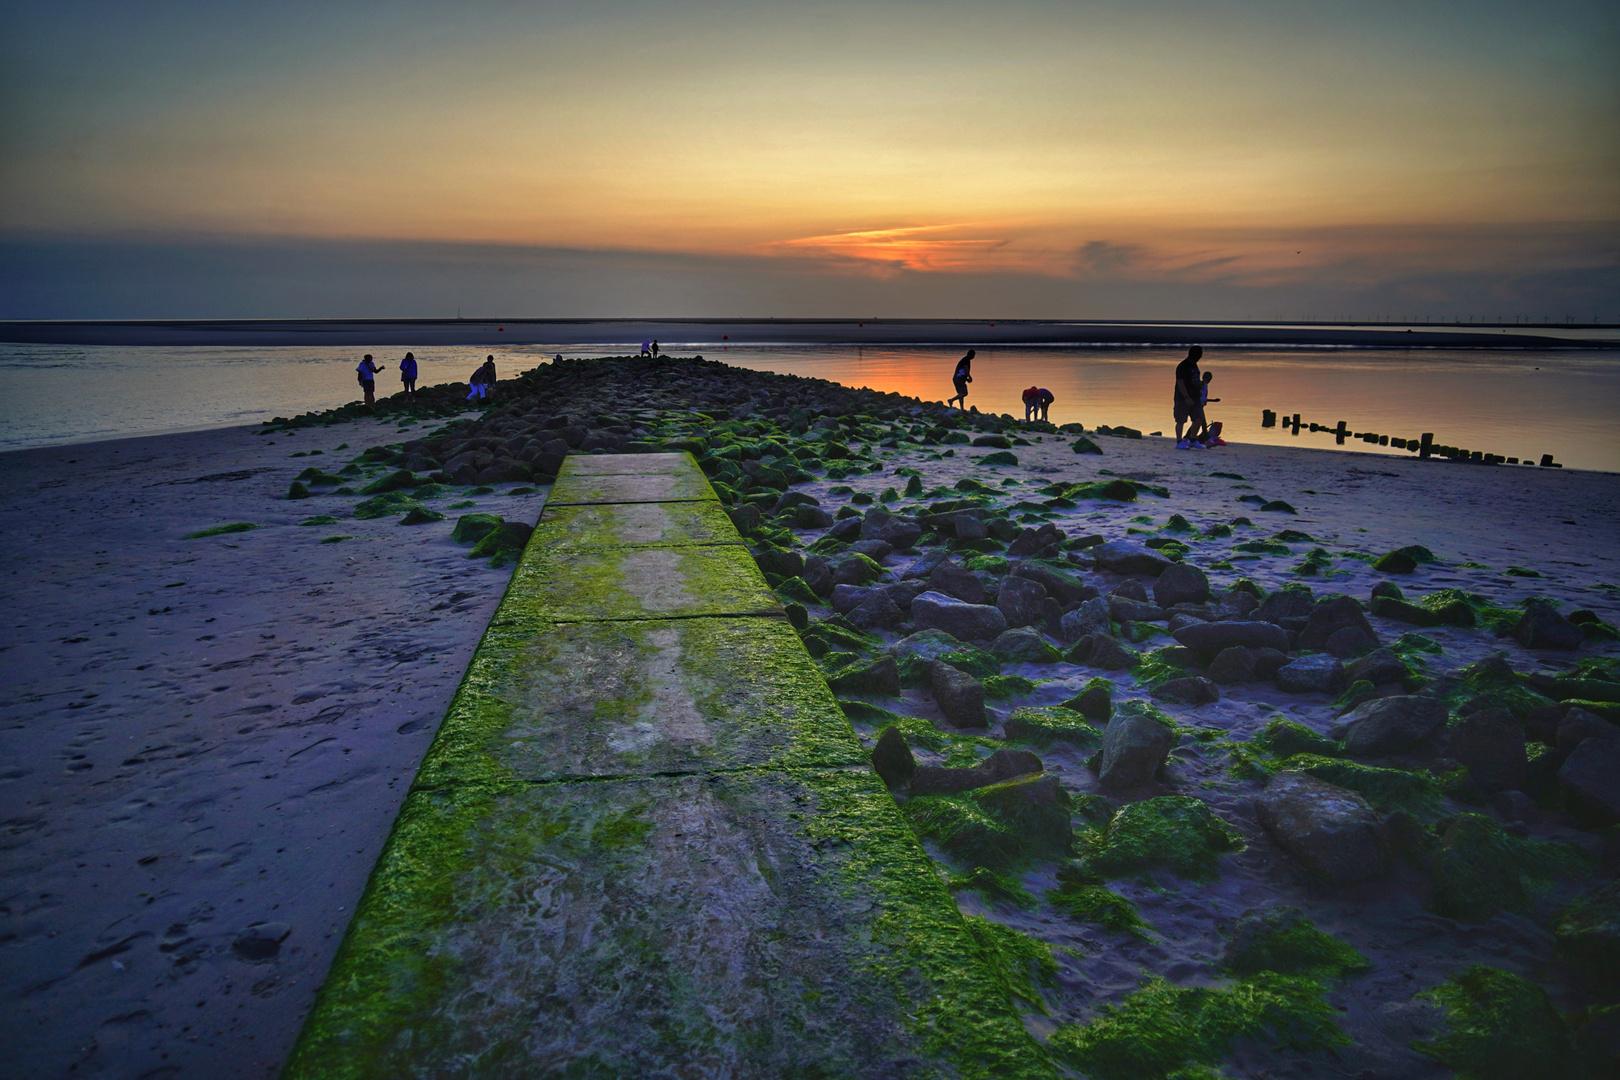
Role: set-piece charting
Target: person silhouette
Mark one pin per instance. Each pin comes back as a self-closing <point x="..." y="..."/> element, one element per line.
<point x="407" y="374"/>
<point x="962" y="376"/>
<point x="1188" y="402"/>
<point x="367" y="371"/>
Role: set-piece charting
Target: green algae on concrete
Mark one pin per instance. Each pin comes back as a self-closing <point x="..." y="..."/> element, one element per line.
<point x="668" y="464"/>
<point x="753" y="924"/>
<point x="634" y="525"/>
<point x="573" y="488"/>
<point x="638" y="583"/>
<point x="638" y="697"/>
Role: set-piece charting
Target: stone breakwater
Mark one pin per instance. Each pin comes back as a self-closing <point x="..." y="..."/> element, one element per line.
<point x="645" y="841"/>
<point x="1356" y="806"/>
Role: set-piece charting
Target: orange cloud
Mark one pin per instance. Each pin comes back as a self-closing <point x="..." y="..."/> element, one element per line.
<point x="916" y="247"/>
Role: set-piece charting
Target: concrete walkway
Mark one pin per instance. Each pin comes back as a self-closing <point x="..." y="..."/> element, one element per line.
<point x="646" y="842"/>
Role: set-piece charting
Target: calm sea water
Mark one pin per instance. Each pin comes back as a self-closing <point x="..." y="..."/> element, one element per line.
<point x="1517" y="403"/>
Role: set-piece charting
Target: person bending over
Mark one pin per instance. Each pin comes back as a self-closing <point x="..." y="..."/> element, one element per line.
<point x="963" y="376"/>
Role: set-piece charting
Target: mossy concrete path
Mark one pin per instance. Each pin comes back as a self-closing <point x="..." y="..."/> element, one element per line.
<point x="646" y="842"/>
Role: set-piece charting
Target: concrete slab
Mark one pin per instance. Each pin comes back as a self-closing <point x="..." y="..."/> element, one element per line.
<point x="573" y="488"/>
<point x="639" y="698"/>
<point x="636" y="583"/>
<point x="608" y="525"/>
<point x="734" y="925"/>
<point x="673" y="463"/>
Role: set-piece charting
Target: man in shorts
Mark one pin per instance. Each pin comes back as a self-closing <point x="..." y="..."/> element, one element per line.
<point x="367" y="371"/>
<point x="1188" y="402"/>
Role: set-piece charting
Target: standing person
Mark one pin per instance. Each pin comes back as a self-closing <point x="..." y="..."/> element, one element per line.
<point x="963" y="376"/>
<point x="1188" y="402"/>
<point x="407" y="374"/>
<point x="1208" y="435"/>
<point x="655" y="347"/>
<point x="368" y="378"/>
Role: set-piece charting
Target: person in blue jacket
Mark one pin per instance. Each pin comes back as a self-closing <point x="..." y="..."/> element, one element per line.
<point x="407" y="374"/>
<point x="367" y="371"/>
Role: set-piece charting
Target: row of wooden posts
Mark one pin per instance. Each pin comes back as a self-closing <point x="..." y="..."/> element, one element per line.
<point x="1424" y="447"/>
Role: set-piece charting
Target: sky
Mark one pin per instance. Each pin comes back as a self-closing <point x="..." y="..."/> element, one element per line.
<point x="1151" y="159"/>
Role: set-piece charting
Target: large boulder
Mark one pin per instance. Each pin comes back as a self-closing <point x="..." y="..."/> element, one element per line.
<point x="1329" y="618"/>
<point x="1134" y="747"/>
<point x="1023" y="645"/>
<point x="1291" y="603"/>
<point x="1212" y="637"/>
<point x="892" y="760"/>
<point x="960" y="695"/>
<point x="915" y="652"/>
<point x="1577" y="725"/>
<point x="1035" y="540"/>
<point x="1490" y="744"/>
<point x="1590" y="778"/>
<point x="924" y="565"/>
<point x="1542" y="627"/>
<point x="1232" y="665"/>
<point x="1020" y="601"/>
<point x="1061" y="585"/>
<point x="1110" y="654"/>
<point x="1125" y="610"/>
<point x="999" y="767"/>
<point x="963" y="621"/>
<point x="1311" y="675"/>
<point x="1331" y="830"/>
<point x="953" y="580"/>
<point x="846" y="598"/>
<point x="1129" y="557"/>
<point x="1386" y="725"/>
<point x="1091" y="617"/>
<point x="878" y="678"/>
<point x="1181" y="583"/>
<point x="1379" y="667"/>
<point x="877" y="612"/>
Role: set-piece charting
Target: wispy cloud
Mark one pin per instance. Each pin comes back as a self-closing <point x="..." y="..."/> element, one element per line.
<point x="912" y="247"/>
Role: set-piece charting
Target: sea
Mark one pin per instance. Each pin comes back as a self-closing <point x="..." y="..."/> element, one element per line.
<point x="1513" y="402"/>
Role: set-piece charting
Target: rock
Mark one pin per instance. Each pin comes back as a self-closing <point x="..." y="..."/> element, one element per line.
<point x="1061" y="585"/>
<point x="1124" y="610"/>
<point x="1109" y="654"/>
<point x="1037" y="808"/>
<point x="998" y="768"/>
<point x="963" y="621"/>
<point x="790" y="499"/>
<point x="953" y="580"/>
<point x="1091" y="617"/>
<point x="1385" y="725"/>
<point x="1189" y="690"/>
<point x="922" y="567"/>
<point x="855" y="570"/>
<point x="1043" y="727"/>
<point x="1590" y="779"/>
<point x="1209" y="639"/>
<point x="470" y="528"/>
<point x="1294" y="603"/>
<point x="892" y="760"/>
<point x="1181" y="583"/>
<point x="1396" y="562"/>
<point x="846" y="598"/>
<point x="1516" y="806"/>
<point x="1490" y="744"/>
<point x="877" y="678"/>
<point x="1378" y="667"/>
<point x="1311" y="675"/>
<point x="904" y="592"/>
<point x="1032" y="541"/>
<point x="1587" y="933"/>
<point x="1542" y="627"/>
<point x="1348" y="642"/>
<point x="964" y="526"/>
<point x="1134" y="747"/>
<point x="847" y="529"/>
<point x="1267" y="662"/>
<point x="876" y="550"/>
<point x="1578" y="725"/>
<point x="811" y="517"/>
<point x="1181" y="620"/>
<point x="1329" y="617"/>
<point x="1332" y="831"/>
<point x="916" y="652"/>
<point x="780" y="561"/>
<point x="1020" y="601"/>
<point x="1387" y="590"/>
<point x="899" y="533"/>
<point x="1024" y="645"/>
<point x="877" y="612"/>
<point x="960" y="695"/>
<point x="1095" y="701"/>
<point x="1129" y="557"/>
<point x="504" y="472"/>
<point x="261" y="941"/>
<point x="1130" y="590"/>
<point x="1232" y="665"/>
<point x="818" y="575"/>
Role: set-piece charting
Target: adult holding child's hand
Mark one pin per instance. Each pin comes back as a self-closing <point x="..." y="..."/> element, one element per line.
<point x="1189" y="397"/>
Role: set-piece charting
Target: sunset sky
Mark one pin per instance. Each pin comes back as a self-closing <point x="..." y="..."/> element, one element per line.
<point x="1091" y="160"/>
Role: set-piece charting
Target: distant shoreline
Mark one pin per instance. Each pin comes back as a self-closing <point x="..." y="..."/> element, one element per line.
<point x="686" y="333"/>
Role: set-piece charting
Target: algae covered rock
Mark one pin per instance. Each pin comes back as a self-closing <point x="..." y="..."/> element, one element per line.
<point x="1171" y="832"/>
<point x="1181" y="583"/>
<point x="420" y="515"/>
<point x="960" y="695"/>
<point x="1588" y="935"/>
<point x="876" y="678"/>
<point x="999" y="767"/>
<point x="1311" y="675"/>
<point x="1490" y="745"/>
<point x="1282" y="939"/>
<point x="470" y="528"/>
<point x="504" y="544"/>
<point x="1095" y="701"/>
<point x="1023" y="645"/>
<point x="1135" y="745"/>
<point x="915" y="652"/>
<point x="385" y="505"/>
<point x="1395" y="562"/>
<point x="1479" y="868"/>
<point x="1542" y="627"/>
<point x="1332" y="831"/>
<point x="1503" y="1027"/>
<point x="1044" y="726"/>
<point x="892" y="759"/>
<point x="1000" y="825"/>
<point x="1187" y="690"/>
<point x="967" y="622"/>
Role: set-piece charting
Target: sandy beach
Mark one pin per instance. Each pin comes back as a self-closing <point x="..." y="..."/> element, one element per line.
<point x="206" y="741"/>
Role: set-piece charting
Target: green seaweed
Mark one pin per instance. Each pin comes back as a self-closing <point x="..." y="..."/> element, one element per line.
<point x="1479" y="868"/>
<point x="1044" y="726"/>
<point x="1025" y="962"/>
<point x="1285" y="942"/>
<point x="994" y="887"/>
<point x="1097" y="904"/>
<point x="1001" y="687"/>
<point x="320" y="519"/>
<point x="1386" y="789"/>
<point x="221" y="530"/>
<point x="386" y="505"/>
<point x="1161" y="1029"/>
<point x="1172" y="832"/>
<point x="1503" y="1027"/>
